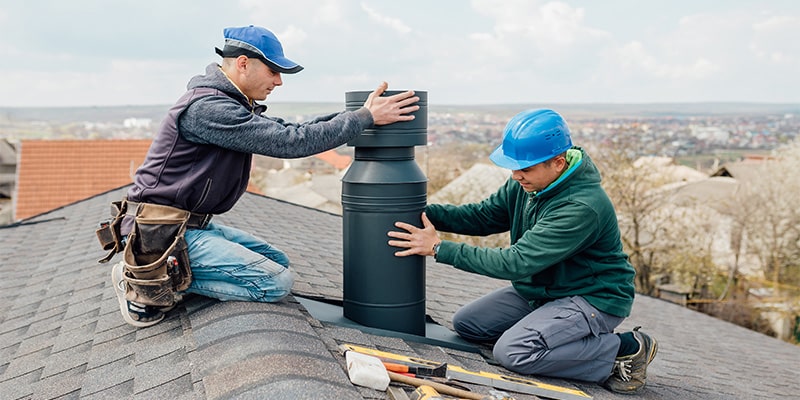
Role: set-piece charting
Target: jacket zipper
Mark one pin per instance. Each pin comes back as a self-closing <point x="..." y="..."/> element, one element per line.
<point x="529" y="211"/>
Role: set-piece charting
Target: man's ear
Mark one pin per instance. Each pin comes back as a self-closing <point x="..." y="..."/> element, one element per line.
<point x="241" y="62"/>
<point x="561" y="162"/>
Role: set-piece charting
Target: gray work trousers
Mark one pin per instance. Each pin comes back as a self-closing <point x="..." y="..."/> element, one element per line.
<point x="564" y="338"/>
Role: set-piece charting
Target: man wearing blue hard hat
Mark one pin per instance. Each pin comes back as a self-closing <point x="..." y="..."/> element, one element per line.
<point x="571" y="282"/>
<point x="198" y="166"/>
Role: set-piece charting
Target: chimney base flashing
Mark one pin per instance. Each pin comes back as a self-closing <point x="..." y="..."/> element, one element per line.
<point x="435" y="334"/>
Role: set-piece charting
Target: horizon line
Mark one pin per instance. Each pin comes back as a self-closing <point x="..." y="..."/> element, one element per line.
<point x="608" y="103"/>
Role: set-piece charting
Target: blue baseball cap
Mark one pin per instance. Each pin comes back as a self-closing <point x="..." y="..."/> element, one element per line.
<point x="257" y="42"/>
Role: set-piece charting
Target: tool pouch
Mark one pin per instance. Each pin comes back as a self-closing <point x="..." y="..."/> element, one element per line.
<point x="156" y="256"/>
<point x="108" y="234"/>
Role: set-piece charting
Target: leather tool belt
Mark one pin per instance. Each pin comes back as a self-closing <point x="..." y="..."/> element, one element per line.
<point x="108" y="233"/>
<point x="155" y="254"/>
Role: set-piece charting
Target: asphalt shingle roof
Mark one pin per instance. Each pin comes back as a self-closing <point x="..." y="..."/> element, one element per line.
<point x="61" y="335"/>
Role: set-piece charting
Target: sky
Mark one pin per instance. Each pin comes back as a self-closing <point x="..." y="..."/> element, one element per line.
<point x="59" y="53"/>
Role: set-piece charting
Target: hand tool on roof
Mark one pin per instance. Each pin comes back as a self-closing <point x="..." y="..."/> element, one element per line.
<point x="439" y="387"/>
<point x="396" y="393"/>
<point x="438" y="372"/>
<point x="430" y="391"/>
<point x="425" y="392"/>
<point x="498" y="395"/>
<point x="498" y="381"/>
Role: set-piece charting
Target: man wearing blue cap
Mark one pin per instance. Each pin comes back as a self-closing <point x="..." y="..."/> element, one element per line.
<point x="571" y="282"/>
<point x="198" y="166"/>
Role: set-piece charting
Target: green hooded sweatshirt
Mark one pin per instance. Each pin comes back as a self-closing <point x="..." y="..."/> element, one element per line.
<point x="565" y="240"/>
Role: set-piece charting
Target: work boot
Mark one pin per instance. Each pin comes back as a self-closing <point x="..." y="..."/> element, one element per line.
<point x="135" y="314"/>
<point x="630" y="372"/>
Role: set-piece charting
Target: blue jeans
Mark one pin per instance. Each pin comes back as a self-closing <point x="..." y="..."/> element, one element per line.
<point x="564" y="338"/>
<point x="230" y="264"/>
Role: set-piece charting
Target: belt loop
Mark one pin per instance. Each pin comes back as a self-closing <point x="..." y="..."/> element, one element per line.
<point x="206" y="220"/>
<point x="199" y="221"/>
<point x="131" y="207"/>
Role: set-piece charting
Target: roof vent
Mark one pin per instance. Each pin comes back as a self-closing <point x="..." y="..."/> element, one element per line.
<point x="384" y="294"/>
<point x="383" y="185"/>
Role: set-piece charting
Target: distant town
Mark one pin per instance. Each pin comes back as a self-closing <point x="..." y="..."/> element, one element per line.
<point x="679" y="131"/>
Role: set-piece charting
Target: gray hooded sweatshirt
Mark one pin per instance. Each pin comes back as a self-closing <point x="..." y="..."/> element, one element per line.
<point x="200" y="159"/>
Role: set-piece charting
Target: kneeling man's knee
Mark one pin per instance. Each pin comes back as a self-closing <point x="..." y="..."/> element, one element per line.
<point x="284" y="282"/>
<point x="515" y="355"/>
<point x="279" y="287"/>
<point x="465" y="326"/>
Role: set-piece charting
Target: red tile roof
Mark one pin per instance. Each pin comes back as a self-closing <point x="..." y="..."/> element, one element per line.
<point x="54" y="173"/>
<point x="335" y="159"/>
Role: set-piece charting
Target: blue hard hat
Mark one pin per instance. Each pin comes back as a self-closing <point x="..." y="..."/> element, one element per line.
<point x="532" y="137"/>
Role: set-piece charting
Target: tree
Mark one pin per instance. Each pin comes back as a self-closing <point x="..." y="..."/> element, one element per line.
<point x="631" y="185"/>
<point x="773" y="223"/>
<point x="686" y="249"/>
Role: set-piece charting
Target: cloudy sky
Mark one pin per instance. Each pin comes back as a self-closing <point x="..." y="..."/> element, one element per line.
<point x="142" y="52"/>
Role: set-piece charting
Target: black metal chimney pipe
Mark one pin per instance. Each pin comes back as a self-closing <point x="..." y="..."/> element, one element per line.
<point x="383" y="185"/>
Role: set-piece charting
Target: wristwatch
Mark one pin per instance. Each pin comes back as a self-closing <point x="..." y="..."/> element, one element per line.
<point x="436" y="248"/>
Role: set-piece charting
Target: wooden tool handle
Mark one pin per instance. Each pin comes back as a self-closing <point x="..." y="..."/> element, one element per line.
<point x="441" y="388"/>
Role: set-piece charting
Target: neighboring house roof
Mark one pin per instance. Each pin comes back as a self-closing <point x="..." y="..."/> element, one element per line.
<point x="8" y="155"/>
<point x="709" y="203"/>
<point x="52" y="173"/>
<point x="329" y="186"/>
<point x="61" y="335"/>
<point x="748" y="170"/>
<point x="8" y="167"/>
<point x="321" y="191"/>
<point x="304" y="194"/>
<point x="715" y="192"/>
<point x="338" y="161"/>
<point x="665" y="167"/>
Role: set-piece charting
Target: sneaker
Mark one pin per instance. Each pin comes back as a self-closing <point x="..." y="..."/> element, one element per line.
<point x="630" y="372"/>
<point x="135" y="314"/>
